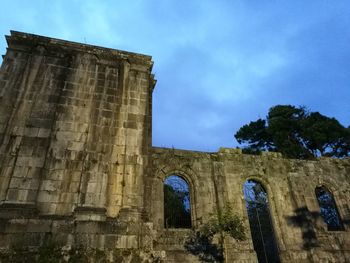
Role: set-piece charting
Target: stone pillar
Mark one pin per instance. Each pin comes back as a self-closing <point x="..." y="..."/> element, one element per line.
<point x="29" y="88"/>
<point x="102" y="130"/>
<point x="138" y="87"/>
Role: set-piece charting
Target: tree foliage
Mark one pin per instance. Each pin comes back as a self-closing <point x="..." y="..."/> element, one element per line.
<point x="225" y="222"/>
<point x="296" y="133"/>
<point x="176" y="214"/>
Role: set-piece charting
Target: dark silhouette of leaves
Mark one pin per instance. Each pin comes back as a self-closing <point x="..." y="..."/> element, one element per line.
<point x="296" y="133"/>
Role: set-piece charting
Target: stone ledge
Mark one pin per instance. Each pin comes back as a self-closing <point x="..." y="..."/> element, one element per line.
<point x="271" y="154"/>
<point x="230" y="150"/>
<point x="21" y="40"/>
<point x="89" y="213"/>
<point x="18" y="210"/>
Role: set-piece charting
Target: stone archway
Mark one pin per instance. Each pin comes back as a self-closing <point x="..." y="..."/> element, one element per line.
<point x="261" y="226"/>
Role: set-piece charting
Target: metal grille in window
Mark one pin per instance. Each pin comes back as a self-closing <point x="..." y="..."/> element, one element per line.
<point x="177" y="210"/>
<point x="328" y="209"/>
<point x="261" y="227"/>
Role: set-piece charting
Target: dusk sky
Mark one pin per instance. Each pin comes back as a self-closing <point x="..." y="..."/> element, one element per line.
<point x="218" y="64"/>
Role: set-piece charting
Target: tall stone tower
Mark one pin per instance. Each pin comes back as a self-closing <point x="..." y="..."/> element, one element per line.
<point x="75" y="129"/>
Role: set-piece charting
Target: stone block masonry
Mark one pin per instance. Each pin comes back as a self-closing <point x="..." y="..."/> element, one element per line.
<point x="78" y="170"/>
<point x="71" y="116"/>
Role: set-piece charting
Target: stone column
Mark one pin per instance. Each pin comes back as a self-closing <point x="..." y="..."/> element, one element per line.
<point x="98" y="162"/>
<point x="27" y="114"/>
<point x="136" y="134"/>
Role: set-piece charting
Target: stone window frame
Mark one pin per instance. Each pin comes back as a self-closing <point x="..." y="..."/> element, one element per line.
<point x="192" y="190"/>
<point x="190" y="199"/>
<point x="334" y="192"/>
<point x="276" y="224"/>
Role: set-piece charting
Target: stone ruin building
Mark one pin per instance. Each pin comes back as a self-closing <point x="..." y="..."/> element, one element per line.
<point x="78" y="169"/>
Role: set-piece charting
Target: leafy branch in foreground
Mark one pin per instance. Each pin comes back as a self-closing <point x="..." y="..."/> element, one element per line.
<point x="224" y="223"/>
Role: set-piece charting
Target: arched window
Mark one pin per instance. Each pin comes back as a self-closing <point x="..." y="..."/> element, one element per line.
<point x="177" y="208"/>
<point x="328" y="209"/>
<point x="261" y="227"/>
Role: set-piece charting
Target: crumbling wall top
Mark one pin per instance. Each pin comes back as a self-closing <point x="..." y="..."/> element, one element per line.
<point x="26" y="42"/>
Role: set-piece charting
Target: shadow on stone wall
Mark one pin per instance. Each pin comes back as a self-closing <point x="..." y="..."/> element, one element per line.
<point x="306" y="220"/>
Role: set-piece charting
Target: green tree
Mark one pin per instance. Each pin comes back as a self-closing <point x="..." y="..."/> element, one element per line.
<point x="224" y="223"/>
<point x="176" y="215"/>
<point x="296" y="133"/>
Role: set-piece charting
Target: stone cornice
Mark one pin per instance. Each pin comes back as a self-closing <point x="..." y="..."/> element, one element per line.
<point x="27" y="42"/>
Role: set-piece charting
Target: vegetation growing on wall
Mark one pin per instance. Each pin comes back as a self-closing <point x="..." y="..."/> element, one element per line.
<point x="224" y="223"/>
<point x="53" y="252"/>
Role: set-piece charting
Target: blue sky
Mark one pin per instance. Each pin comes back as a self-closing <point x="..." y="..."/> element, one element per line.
<point x="219" y="64"/>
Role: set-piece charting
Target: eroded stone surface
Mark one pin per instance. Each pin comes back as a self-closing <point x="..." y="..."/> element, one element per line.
<point x="77" y="165"/>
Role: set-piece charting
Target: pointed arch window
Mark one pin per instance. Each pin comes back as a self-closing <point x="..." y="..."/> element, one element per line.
<point x="328" y="209"/>
<point x="177" y="207"/>
<point x="260" y="222"/>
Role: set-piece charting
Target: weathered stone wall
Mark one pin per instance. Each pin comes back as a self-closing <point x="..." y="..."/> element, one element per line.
<point x="75" y="126"/>
<point x="217" y="178"/>
<point x="78" y="170"/>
